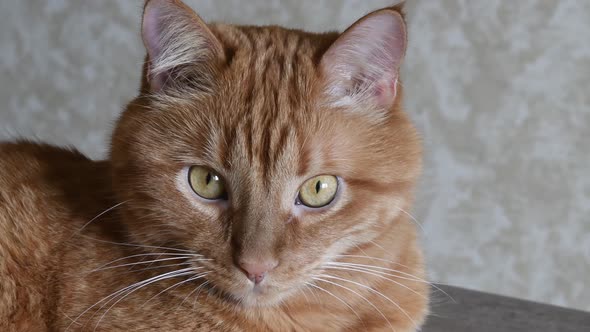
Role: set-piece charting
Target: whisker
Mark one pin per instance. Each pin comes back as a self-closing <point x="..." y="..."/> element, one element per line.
<point x="303" y="292"/>
<point x="313" y="293"/>
<point x="359" y="295"/>
<point x="375" y="258"/>
<point x="160" y="267"/>
<point x="138" y="285"/>
<point x="174" y="274"/>
<point x="376" y="245"/>
<point x="411" y="217"/>
<point x="384" y="273"/>
<point x="336" y="297"/>
<point x="411" y="276"/>
<point x="375" y="292"/>
<point x="119" y="292"/>
<point x="146" y="262"/>
<point x="139" y="245"/>
<point x="199" y="292"/>
<point x="376" y="267"/>
<point x="408" y="274"/>
<point x="142" y="255"/>
<point x="381" y="267"/>
<point x="133" y="270"/>
<point x="380" y="276"/>
<point x="192" y="292"/>
<point x="68" y="317"/>
<point x="98" y="216"/>
<point x="198" y="276"/>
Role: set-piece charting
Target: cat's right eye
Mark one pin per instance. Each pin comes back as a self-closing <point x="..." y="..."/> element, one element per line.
<point x="206" y="183"/>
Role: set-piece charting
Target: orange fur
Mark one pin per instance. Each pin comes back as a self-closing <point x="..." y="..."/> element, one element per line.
<point x="257" y="112"/>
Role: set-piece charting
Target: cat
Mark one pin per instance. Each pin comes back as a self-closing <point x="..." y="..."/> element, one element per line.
<point x="259" y="182"/>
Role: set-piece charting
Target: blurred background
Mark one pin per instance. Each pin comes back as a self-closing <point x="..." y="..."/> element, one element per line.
<point x="500" y="91"/>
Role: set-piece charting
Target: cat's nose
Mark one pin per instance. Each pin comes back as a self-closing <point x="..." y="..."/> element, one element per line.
<point x="256" y="271"/>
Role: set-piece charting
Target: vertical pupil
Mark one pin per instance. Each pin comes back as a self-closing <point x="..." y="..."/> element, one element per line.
<point x="208" y="178"/>
<point x="318" y="186"/>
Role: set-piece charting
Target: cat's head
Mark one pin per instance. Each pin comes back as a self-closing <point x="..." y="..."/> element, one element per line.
<point x="269" y="151"/>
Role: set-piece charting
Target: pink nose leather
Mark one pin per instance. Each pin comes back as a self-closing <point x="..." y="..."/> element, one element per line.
<point x="258" y="270"/>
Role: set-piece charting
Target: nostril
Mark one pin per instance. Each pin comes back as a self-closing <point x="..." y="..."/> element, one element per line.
<point x="257" y="271"/>
<point x="256" y="278"/>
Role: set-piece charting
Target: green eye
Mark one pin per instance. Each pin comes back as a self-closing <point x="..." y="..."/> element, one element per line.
<point x="318" y="191"/>
<point x="206" y="183"/>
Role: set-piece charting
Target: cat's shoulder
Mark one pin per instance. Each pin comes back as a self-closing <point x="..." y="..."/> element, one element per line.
<point x="31" y="205"/>
<point x="22" y="161"/>
<point x="24" y="149"/>
<point x="37" y="179"/>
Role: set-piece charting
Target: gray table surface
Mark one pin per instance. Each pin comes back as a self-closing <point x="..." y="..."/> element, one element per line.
<point x="482" y="312"/>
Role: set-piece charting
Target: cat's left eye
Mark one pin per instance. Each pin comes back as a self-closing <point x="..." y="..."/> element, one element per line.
<point x="206" y="183"/>
<point x="318" y="191"/>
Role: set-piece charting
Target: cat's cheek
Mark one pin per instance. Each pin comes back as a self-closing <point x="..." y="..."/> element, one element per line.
<point x="210" y="208"/>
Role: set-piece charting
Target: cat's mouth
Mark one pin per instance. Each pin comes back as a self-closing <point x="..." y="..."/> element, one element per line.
<point x="248" y="295"/>
<point x="261" y="295"/>
<point x="232" y="286"/>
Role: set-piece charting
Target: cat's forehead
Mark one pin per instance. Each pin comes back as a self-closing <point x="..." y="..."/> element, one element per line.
<point x="271" y="67"/>
<point x="262" y="44"/>
<point x="266" y="99"/>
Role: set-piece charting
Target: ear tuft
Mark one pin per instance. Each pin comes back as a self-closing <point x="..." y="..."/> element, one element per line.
<point x="362" y="66"/>
<point x="177" y="40"/>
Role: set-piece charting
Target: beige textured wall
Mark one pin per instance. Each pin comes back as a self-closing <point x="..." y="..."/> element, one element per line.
<point x="499" y="89"/>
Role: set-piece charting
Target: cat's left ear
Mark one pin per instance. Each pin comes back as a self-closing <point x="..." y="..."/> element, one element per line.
<point x="179" y="45"/>
<point x="362" y="65"/>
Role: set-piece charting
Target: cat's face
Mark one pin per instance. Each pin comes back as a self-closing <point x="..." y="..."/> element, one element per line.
<point x="258" y="159"/>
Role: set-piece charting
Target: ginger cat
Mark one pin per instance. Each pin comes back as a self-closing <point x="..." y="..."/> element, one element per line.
<point x="259" y="182"/>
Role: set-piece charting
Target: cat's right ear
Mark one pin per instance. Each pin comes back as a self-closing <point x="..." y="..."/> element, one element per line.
<point x="179" y="44"/>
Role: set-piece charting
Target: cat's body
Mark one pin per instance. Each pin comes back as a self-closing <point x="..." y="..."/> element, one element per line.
<point x="44" y="268"/>
<point x="74" y="231"/>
